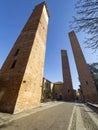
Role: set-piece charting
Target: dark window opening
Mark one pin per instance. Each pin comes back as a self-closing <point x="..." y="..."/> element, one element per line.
<point x="86" y="82"/>
<point x="68" y="90"/>
<point x="17" y="51"/>
<point x="24" y="81"/>
<point x="60" y="97"/>
<point x="13" y="65"/>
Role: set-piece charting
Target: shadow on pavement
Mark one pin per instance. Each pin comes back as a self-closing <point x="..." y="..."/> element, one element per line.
<point x="92" y="108"/>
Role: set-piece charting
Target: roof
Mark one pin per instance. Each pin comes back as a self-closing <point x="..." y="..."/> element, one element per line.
<point x="59" y="82"/>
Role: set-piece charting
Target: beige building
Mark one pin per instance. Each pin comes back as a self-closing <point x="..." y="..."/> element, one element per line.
<point x="52" y="91"/>
<point x="22" y="72"/>
<point x="47" y="90"/>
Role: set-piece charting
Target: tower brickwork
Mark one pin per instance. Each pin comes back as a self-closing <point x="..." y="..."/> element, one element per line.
<point x="87" y="84"/>
<point x="67" y="88"/>
<point x="22" y="72"/>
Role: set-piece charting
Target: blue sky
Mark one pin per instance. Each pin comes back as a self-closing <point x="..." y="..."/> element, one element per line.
<point x="15" y="13"/>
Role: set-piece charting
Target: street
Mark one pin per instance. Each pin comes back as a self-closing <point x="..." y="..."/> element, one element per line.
<point x="84" y="118"/>
<point x="63" y="116"/>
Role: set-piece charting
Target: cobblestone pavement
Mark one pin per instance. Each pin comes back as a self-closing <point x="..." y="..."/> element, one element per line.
<point x="84" y="118"/>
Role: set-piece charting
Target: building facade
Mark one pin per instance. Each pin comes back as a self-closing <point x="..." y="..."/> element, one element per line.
<point x="87" y="84"/>
<point x="58" y="91"/>
<point x="22" y="72"/>
<point x="47" y="90"/>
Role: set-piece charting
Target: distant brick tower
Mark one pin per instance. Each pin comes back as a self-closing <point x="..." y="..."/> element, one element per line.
<point x="68" y="93"/>
<point x="22" y="73"/>
<point x="87" y="85"/>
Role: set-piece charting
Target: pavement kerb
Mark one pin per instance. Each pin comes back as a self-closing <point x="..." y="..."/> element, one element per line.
<point x="11" y="118"/>
<point x="93" y="105"/>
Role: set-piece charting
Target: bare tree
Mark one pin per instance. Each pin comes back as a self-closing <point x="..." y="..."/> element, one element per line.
<point x="86" y="20"/>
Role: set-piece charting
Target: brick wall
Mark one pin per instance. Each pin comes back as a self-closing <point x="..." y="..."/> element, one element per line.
<point x="87" y="84"/>
<point x="67" y="88"/>
<point x="22" y="73"/>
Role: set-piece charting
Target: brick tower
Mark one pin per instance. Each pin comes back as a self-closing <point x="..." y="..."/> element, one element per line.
<point x="22" y="72"/>
<point x="67" y="88"/>
<point x="87" y="84"/>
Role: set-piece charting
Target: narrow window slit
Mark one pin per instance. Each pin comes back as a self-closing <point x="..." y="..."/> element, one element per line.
<point x="13" y="65"/>
<point x="17" y="51"/>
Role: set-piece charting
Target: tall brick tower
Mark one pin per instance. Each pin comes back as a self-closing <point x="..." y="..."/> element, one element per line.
<point x="22" y="73"/>
<point x="67" y="89"/>
<point x="87" y="84"/>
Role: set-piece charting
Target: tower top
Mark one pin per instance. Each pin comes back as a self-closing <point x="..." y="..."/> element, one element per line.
<point x="63" y="52"/>
<point x="72" y="32"/>
<point x="42" y="4"/>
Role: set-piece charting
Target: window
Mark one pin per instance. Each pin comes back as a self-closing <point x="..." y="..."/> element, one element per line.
<point x="13" y="65"/>
<point x="86" y="83"/>
<point x="17" y="51"/>
<point x="68" y="90"/>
